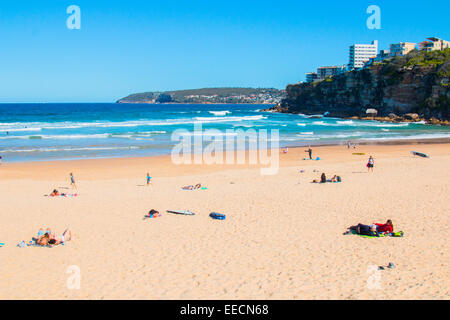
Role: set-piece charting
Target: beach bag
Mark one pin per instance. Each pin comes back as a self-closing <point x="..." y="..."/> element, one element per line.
<point x="339" y="179"/>
<point x="398" y="234"/>
<point x="217" y="216"/>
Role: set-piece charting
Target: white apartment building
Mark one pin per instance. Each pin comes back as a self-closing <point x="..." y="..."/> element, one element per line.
<point x="402" y="48"/>
<point x="361" y="53"/>
<point x="434" y="44"/>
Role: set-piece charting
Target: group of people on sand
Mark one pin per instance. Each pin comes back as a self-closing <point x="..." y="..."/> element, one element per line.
<point x="373" y="230"/>
<point x="47" y="237"/>
<point x="323" y="179"/>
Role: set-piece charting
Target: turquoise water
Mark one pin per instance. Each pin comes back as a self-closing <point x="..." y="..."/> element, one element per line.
<point x="32" y="132"/>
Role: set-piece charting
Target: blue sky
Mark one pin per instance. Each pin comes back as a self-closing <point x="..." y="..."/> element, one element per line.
<point x="131" y="46"/>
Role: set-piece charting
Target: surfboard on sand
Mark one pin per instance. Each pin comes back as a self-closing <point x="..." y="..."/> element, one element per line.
<point x="358" y="153"/>
<point x="420" y="154"/>
<point x="184" y="212"/>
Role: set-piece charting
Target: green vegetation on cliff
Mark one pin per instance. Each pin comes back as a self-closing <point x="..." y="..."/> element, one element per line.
<point x="415" y="83"/>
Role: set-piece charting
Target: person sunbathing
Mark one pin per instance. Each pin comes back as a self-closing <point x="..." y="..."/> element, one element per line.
<point x="363" y="229"/>
<point x="334" y="179"/>
<point x="387" y="227"/>
<point x="191" y="187"/>
<point x="153" y="214"/>
<point x="55" y="240"/>
<point x="43" y="240"/>
<point x="54" y="193"/>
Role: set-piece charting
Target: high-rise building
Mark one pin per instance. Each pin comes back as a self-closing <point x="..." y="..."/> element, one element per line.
<point x="402" y="48"/>
<point x="361" y="53"/>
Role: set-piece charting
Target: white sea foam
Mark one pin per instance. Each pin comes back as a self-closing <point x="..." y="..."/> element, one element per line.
<point x="220" y="113"/>
<point x="228" y="119"/>
<point x="69" y="149"/>
<point x="21" y="129"/>
<point x="345" y="122"/>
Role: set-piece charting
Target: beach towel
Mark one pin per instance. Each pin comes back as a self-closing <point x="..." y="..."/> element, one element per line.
<point x="395" y="234"/>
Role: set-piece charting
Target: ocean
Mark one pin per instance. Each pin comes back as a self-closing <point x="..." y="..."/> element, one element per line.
<point x="38" y="132"/>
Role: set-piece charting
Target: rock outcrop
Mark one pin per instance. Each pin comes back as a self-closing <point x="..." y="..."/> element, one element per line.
<point x="413" y="87"/>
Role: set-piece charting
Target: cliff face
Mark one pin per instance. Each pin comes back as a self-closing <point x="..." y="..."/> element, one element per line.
<point x="416" y="83"/>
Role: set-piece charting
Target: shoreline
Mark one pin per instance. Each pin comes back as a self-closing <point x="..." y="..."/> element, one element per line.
<point x="362" y="142"/>
<point x="161" y="166"/>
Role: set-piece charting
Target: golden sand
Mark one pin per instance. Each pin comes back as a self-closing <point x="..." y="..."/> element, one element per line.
<point x="282" y="238"/>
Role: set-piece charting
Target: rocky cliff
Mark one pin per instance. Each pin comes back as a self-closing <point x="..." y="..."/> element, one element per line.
<point x="416" y="83"/>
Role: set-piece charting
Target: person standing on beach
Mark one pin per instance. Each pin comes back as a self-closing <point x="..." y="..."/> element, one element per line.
<point x="309" y="152"/>
<point x="370" y="164"/>
<point x="0" y="160"/>
<point x="149" y="179"/>
<point x="348" y="144"/>
<point x="72" y="181"/>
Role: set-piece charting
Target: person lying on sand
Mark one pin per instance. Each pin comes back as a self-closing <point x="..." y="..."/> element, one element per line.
<point x="55" y="193"/>
<point x="335" y="179"/>
<point x="387" y="227"/>
<point x="364" y="230"/>
<point x="48" y="238"/>
<point x="153" y="214"/>
<point x="43" y="240"/>
<point x="191" y="187"/>
<point x="55" y="240"/>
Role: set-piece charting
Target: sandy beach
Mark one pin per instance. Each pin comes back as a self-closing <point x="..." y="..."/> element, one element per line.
<point x="282" y="237"/>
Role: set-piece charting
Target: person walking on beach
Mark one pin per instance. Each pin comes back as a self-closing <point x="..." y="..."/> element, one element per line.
<point x="0" y="160"/>
<point x="149" y="179"/>
<point x="348" y="144"/>
<point x="72" y="181"/>
<point x="370" y="164"/>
